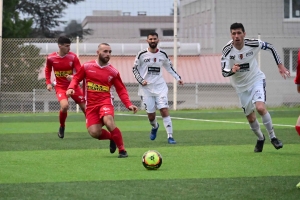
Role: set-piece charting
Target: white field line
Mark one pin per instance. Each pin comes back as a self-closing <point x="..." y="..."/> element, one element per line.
<point x="206" y="120"/>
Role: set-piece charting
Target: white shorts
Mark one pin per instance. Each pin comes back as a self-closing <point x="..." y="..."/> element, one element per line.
<point x="254" y="94"/>
<point x="152" y="103"/>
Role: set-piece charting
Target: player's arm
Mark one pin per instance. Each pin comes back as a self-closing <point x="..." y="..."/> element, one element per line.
<point x="169" y="67"/>
<point x="225" y="62"/>
<point x="48" y="70"/>
<point x="121" y="91"/>
<point x="136" y="72"/>
<point x="284" y="72"/>
<point x="79" y="76"/>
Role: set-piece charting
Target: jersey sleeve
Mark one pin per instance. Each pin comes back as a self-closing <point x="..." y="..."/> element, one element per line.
<point x="135" y="70"/>
<point x="269" y="47"/>
<point x="169" y="67"/>
<point x="297" y="78"/>
<point x="77" y="78"/>
<point x="225" y="61"/>
<point x="121" y="90"/>
<point x="48" y="70"/>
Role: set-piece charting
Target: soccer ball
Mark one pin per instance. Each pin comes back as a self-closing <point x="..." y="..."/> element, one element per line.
<point x="152" y="160"/>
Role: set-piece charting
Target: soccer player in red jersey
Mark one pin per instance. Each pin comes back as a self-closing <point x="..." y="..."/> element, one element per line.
<point x="99" y="76"/>
<point x="297" y="81"/>
<point x="64" y="63"/>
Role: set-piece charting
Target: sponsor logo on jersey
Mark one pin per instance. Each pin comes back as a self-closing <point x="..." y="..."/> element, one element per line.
<point x="62" y="73"/>
<point x="250" y="53"/>
<point x="96" y="87"/>
<point x="244" y="67"/>
<point x="106" y="109"/>
<point x="232" y="57"/>
<point x="241" y="56"/>
<point x="147" y="60"/>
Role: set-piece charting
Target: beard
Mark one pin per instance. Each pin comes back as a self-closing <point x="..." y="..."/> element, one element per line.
<point x="104" y="60"/>
<point x="152" y="45"/>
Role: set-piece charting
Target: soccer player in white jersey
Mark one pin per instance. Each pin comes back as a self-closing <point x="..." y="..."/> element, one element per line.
<point x="148" y="66"/>
<point x="239" y="63"/>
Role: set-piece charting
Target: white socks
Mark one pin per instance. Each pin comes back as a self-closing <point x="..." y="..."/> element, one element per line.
<point x="256" y="129"/>
<point x="168" y="126"/>
<point x="267" y="121"/>
<point x="153" y="123"/>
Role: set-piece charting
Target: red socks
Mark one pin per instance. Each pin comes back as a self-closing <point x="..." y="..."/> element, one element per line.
<point x="105" y="135"/>
<point x="116" y="136"/>
<point x="298" y="129"/>
<point x="62" y="118"/>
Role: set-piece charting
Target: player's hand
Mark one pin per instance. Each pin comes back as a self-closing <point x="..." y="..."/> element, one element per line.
<point x="133" y="108"/>
<point x="49" y="87"/>
<point x="144" y="83"/>
<point x="70" y="92"/>
<point x="283" y="71"/>
<point x="69" y="77"/>
<point x="235" y="68"/>
<point x="180" y="82"/>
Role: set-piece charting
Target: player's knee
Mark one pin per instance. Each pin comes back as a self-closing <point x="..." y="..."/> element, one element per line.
<point x="94" y="133"/>
<point x="261" y="110"/>
<point x="64" y="107"/>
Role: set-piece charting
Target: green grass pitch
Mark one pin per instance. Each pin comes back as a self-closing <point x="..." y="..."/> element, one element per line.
<point x="213" y="158"/>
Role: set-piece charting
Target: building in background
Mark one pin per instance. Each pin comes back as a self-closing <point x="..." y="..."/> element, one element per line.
<point x="274" y="21"/>
<point x="120" y="27"/>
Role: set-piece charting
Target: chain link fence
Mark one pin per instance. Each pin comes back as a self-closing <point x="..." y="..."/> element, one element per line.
<point x="23" y="86"/>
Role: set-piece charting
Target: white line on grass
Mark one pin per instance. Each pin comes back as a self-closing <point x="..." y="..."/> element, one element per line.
<point x="205" y="120"/>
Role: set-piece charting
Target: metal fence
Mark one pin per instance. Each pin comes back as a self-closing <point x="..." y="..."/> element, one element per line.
<point x="23" y="88"/>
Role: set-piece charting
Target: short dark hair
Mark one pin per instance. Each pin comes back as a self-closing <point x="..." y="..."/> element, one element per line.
<point x="63" y="40"/>
<point x="152" y="33"/>
<point x="237" y="26"/>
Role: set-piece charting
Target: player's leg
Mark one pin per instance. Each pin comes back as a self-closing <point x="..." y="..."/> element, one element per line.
<point x="248" y="107"/>
<point x="79" y="99"/>
<point x="259" y="97"/>
<point x="297" y="127"/>
<point x="63" y="112"/>
<point x="94" y="125"/>
<point x="150" y="107"/>
<point x="107" y="116"/>
<point x="163" y="106"/>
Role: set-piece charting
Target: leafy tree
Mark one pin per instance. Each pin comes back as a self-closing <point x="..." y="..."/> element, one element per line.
<point x="13" y="26"/>
<point x="74" y="29"/>
<point x="45" y="14"/>
<point x="178" y="10"/>
<point x="20" y="67"/>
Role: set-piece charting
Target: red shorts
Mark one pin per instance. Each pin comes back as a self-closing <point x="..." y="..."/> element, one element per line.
<point x="77" y="97"/>
<point x="95" y="114"/>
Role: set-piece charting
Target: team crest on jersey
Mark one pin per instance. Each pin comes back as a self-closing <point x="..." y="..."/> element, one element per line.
<point x="250" y="53"/>
<point x="154" y="59"/>
<point x="109" y="78"/>
<point x="241" y="56"/>
<point x="71" y="63"/>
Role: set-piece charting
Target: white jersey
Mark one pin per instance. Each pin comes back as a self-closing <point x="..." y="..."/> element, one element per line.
<point x="148" y="67"/>
<point x="249" y="71"/>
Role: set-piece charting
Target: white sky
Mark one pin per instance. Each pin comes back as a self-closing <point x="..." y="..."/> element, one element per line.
<point x="152" y="7"/>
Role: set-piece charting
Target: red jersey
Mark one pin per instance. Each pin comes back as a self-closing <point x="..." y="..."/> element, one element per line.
<point x="98" y="81"/>
<point x="61" y="67"/>
<point x="297" y="78"/>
